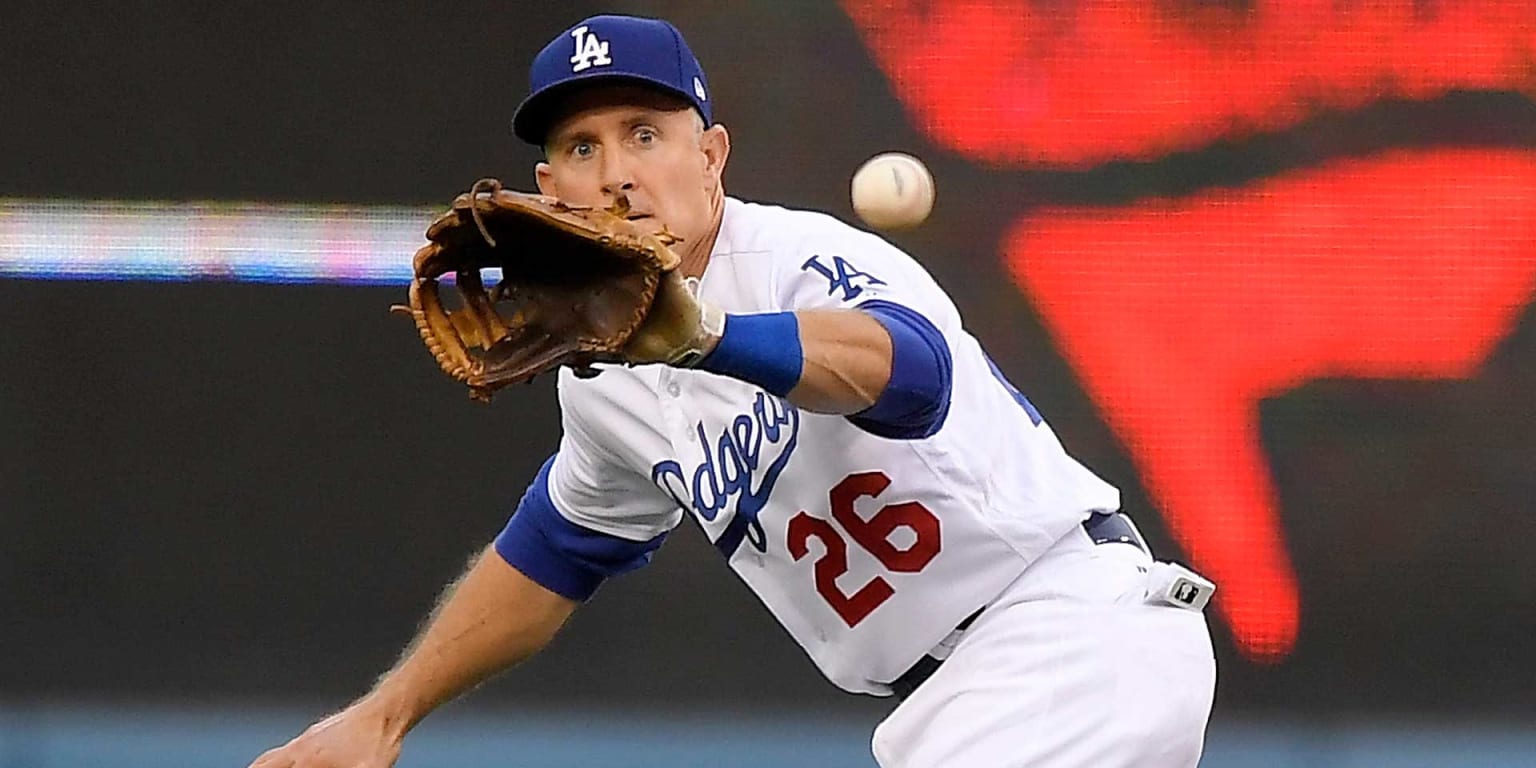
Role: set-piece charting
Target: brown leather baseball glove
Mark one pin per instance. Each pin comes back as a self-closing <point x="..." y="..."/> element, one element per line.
<point x="577" y="285"/>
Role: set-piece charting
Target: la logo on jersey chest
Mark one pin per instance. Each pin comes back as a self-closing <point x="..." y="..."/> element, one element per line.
<point x="590" y="51"/>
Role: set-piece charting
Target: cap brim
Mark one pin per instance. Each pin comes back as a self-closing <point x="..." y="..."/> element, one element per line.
<point x="532" y="120"/>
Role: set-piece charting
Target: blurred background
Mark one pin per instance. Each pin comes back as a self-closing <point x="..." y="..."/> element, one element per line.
<point x="1267" y="265"/>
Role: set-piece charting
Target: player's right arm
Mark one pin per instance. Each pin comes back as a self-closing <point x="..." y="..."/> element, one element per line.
<point x="587" y="516"/>
<point x="493" y="617"/>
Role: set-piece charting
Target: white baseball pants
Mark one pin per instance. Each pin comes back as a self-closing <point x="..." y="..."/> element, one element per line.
<point x="1069" y="668"/>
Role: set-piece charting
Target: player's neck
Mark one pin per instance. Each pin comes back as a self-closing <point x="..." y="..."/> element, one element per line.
<point x="696" y="254"/>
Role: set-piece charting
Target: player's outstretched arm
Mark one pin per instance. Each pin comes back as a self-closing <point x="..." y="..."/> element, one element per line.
<point x="883" y="365"/>
<point x="845" y="361"/>
<point x="490" y="619"/>
<point x="881" y="356"/>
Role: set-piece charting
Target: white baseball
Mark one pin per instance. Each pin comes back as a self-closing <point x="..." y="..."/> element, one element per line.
<point x="893" y="191"/>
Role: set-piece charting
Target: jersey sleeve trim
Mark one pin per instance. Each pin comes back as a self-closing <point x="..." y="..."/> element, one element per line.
<point x="915" y="401"/>
<point x="561" y="556"/>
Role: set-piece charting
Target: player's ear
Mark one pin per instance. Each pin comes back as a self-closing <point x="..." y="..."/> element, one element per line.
<point x="715" y="142"/>
<point x="545" y="178"/>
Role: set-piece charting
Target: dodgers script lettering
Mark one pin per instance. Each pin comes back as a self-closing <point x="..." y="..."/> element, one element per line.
<point x="728" y="468"/>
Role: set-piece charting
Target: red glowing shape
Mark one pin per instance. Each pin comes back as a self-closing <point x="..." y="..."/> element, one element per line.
<point x="1074" y="83"/>
<point x="1181" y="315"/>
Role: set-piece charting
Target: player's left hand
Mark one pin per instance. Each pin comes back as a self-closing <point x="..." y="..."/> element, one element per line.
<point x="580" y="285"/>
<point x="680" y="329"/>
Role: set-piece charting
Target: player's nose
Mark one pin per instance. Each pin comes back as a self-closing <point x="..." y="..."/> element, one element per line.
<point x="617" y="177"/>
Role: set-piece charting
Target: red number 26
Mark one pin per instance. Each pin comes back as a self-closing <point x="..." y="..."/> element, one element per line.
<point x="874" y="535"/>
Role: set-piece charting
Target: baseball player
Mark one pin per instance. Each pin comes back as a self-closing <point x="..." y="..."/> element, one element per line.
<point x="811" y="398"/>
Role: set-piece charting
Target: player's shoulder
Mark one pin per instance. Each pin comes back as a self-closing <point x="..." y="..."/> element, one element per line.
<point x="772" y="219"/>
<point x="796" y="233"/>
<point x="811" y="259"/>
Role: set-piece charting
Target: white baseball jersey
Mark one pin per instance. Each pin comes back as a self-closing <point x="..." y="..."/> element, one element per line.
<point x="868" y="550"/>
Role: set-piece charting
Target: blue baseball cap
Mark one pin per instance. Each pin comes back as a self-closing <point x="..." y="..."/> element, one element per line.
<point x="609" y="49"/>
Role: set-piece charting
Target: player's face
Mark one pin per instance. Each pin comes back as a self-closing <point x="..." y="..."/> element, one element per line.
<point x="629" y="141"/>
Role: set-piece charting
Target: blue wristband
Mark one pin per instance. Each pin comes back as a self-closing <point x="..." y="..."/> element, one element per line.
<point x="761" y="349"/>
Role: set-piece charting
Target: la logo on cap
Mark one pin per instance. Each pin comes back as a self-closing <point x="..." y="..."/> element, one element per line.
<point x="590" y="51"/>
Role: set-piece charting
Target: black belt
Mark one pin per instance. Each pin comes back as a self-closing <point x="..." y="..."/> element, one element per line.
<point x="1101" y="527"/>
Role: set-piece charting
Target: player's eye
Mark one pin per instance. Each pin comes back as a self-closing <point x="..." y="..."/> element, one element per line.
<point x="583" y="150"/>
<point x="645" y="135"/>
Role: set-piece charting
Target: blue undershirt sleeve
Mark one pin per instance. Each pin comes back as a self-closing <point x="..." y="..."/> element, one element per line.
<point x="916" y="399"/>
<point x="560" y="555"/>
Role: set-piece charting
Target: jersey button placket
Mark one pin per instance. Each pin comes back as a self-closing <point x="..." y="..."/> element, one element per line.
<point x="670" y="392"/>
